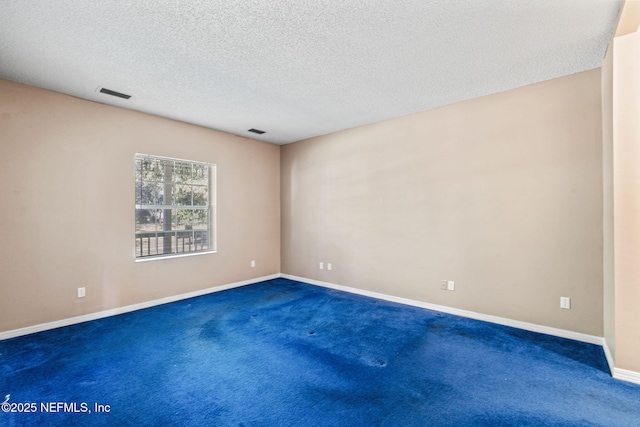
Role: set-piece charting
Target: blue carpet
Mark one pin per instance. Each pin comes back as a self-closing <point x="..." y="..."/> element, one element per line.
<point x="285" y="353"/>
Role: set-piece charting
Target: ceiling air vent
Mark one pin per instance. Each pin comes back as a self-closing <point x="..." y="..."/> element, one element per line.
<point x="258" y="131"/>
<point x="114" y="93"/>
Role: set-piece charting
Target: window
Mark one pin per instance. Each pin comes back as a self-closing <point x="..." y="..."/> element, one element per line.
<point x="175" y="207"/>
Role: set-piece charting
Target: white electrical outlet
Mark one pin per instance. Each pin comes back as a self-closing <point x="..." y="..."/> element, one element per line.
<point x="321" y="266"/>
<point x="565" y="302"/>
<point x="253" y="263"/>
<point x="81" y="292"/>
<point x="443" y="285"/>
<point x="328" y="266"/>
<point x="451" y="285"/>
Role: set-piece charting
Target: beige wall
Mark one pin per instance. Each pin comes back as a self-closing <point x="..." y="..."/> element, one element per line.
<point x="497" y="193"/>
<point x="626" y="176"/>
<point x="629" y="18"/>
<point x="66" y="167"/>
<point x="502" y="194"/>
<point x="607" y="205"/>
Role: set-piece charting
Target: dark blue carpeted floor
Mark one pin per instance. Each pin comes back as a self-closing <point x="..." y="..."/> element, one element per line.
<point x="284" y="353"/>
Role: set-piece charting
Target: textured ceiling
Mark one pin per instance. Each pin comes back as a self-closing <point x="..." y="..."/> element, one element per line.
<point x="293" y="68"/>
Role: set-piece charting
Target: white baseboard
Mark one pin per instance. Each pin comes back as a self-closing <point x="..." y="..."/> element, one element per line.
<point x="624" y="375"/>
<point x="609" y="356"/>
<point x="591" y="339"/>
<point x="126" y="309"/>
<point x="621" y="374"/>
<point x="617" y="373"/>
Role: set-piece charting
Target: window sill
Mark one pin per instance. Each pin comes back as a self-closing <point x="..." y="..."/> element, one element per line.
<point x="157" y="258"/>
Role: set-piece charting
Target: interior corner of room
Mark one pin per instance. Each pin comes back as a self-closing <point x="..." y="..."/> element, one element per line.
<point x="513" y="199"/>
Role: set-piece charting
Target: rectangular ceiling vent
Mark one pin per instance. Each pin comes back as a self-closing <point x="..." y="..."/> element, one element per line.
<point x="114" y="93"/>
<point x="258" y="131"/>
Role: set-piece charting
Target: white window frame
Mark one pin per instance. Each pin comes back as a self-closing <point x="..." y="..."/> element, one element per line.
<point x="191" y="235"/>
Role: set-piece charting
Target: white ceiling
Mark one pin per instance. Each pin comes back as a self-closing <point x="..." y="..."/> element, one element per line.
<point x="297" y="68"/>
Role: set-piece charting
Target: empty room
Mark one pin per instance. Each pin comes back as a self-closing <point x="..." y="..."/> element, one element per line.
<point x="281" y="213"/>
